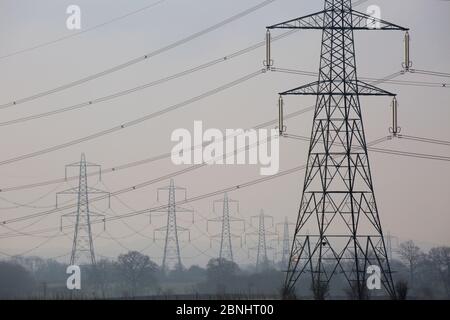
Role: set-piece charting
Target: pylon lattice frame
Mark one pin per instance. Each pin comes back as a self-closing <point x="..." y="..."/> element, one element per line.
<point x="286" y="248"/>
<point x="262" y="233"/>
<point x="226" y="235"/>
<point x="338" y="205"/>
<point x="83" y="244"/>
<point x="172" y="256"/>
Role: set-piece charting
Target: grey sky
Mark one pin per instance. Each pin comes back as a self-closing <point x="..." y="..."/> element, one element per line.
<point x="412" y="194"/>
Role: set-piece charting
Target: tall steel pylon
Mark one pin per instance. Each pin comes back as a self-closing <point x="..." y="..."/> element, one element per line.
<point x="261" y="254"/>
<point x="338" y="204"/>
<point x="226" y="247"/>
<point x="83" y="244"/>
<point x="172" y="256"/>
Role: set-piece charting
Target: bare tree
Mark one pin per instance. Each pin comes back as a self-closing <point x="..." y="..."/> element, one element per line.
<point x="401" y="287"/>
<point x="440" y="261"/>
<point x="136" y="268"/>
<point x="410" y="255"/>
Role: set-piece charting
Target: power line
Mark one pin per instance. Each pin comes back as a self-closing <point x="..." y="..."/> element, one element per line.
<point x="234" y="188"/>
<point x="72" y="35"/>
<point x="194" y="167"/>
<point x="426" y="140"/>
<point x="230" y="189"/>
<point x="151" y="84"/>
<point x="197" y="198"/>
<point x="29" y="204"/>
<point x="140" y="162"/>
<point x="411" y="154"/>
<point x="385" y="151"/>
<point x="396" y="82"/>
<point x="147" y="117"/>
<point x="39" y="245"/>
<point x="131" y="188"/>
<point x="138" y="59"/>
<point x="431" y="73"/>
<point x="135" y="121"/>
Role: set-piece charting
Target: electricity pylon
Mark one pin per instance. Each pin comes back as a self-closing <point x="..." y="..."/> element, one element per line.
<point x="172" y="256"/>
<point x="83" y="244"/>
<point x="226" y="247"/>
<point x="338" y="204"/>
<point x="285" y="251"/>
<point x="261" y="257"/>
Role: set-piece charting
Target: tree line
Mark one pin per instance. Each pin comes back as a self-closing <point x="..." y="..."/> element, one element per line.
<point x="418" y="275"/>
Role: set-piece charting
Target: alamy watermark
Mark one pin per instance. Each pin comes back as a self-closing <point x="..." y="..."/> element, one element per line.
<point x="235" y="147"/>
<point x="374" y="12"/>
<point x="374" y="279"/>
<point x="74" y="280"/>
<point x="73" y="22"/>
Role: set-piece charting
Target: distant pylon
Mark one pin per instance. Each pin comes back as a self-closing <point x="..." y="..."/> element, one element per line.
<point x="172" y="256"/>
<point x="226" y="247"/>
<point x="285" y="251"/>
<point x="83" y="244"/>
<point x="261" y="257"/>
<point x="338" y="203"/>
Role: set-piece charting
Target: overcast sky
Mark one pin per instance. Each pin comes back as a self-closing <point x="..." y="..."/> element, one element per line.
<point x="412" y="194"/>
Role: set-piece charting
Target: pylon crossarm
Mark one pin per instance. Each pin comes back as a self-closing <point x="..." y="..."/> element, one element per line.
<point x="318" y="21"/>
<point x="334" y="88"/>
<point x="365" y="89"/>
<point x="311" y="21"/>
<point x="362" y="21"/>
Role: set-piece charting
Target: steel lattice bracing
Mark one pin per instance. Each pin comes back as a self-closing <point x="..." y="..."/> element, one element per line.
<point x="285" y="252"/>
<point x="261" y="257"/>
<point x="83" y="245"/>
<point x="172" y="256"/>
<point x="338" y="230"/>
<point x="262" y="232"/>
<point x="82" y="240"/>
<point x="171" y="245"/>
<point x="226" y="235"/>
<point x="226" y="249"/>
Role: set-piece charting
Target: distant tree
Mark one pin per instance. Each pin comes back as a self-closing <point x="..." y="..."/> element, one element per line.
<point x="220" y="268"/>
<point x="137" y="270"/>
<point x="105" y="273"/>
<point x="401" y="287"/>
<point x="221" y="272"/>
<point x="196" y="272"/>
<point x="410" y="254"/>
<point x="15" y="280"/>
<point x="440" y="262"/>
<point x="319" y="289"/>
<point x="45" y="271"/>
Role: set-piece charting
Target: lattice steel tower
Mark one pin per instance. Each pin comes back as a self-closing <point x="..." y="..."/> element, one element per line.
<point x="172" y="257"/>
<point x="226" y="247"/>
<point x="286" y="246"/>
<point x="83" y="244"/>
<point x="261" y="256"/>
<point x="338" y="205"/>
